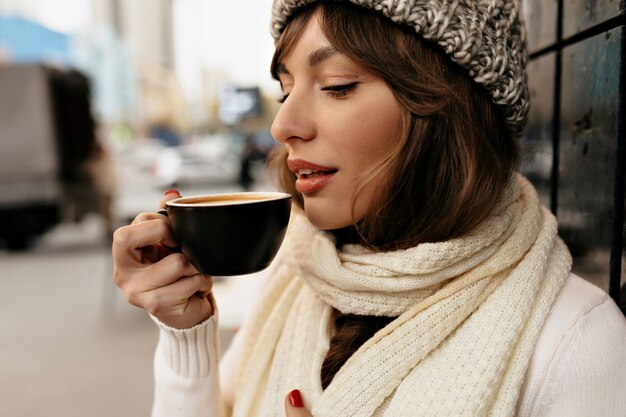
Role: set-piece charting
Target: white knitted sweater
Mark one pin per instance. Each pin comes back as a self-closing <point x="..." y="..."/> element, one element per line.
<point x="578" y="367"/>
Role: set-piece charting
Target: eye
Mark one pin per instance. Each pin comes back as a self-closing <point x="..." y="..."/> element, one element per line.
<point x="283" y="98"/>
<point x="340" y="91"/>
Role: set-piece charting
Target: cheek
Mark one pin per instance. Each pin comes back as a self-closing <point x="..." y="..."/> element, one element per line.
<point x="379" y="131"/>
<point x="375" y="132"/>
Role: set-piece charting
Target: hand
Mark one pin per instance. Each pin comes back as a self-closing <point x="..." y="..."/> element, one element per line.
<point x="154" y="277"/>
<point x="294" y="406"/>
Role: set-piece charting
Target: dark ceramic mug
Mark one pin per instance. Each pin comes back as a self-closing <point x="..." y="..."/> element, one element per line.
<point x="230" y="234"/>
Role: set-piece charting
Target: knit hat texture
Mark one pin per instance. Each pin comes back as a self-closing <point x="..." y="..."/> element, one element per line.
<point x="486" y="37"/>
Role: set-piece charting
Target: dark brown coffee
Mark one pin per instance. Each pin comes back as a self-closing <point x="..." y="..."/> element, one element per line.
<point x="226" y="199"/>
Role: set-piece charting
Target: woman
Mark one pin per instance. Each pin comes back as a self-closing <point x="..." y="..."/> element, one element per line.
<point x="419" y="276"/>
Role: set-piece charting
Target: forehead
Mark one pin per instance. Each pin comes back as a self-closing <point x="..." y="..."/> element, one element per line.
<point x="310" y="39"/>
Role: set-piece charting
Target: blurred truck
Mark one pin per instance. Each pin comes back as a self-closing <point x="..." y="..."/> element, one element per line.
<point x="47" y="135"/>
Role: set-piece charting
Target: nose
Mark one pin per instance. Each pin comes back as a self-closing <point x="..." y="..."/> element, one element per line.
<point x="295" y="120"/>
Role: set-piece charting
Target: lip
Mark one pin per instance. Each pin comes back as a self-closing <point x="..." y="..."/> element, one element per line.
<point x="310" y="184"/>
<point x="296" y="165"/>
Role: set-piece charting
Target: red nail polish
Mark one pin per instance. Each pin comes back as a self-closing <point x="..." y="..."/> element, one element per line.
<point x="171" y="191"/>
<point x="295" y="399"/>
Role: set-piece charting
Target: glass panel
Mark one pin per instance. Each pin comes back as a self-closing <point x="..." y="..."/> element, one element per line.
<point x="536" y="157"/>
<point x="579" y="15"/>
<point x="541" y="23"/>
<point x="590" y="95"/>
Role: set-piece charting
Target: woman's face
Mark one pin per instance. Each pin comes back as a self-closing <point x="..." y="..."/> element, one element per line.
<point x="337" y="121"/>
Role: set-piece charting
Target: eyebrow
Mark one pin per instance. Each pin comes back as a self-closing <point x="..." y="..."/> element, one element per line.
<point x="320" y="55"/>
<point x="315" y="58"/>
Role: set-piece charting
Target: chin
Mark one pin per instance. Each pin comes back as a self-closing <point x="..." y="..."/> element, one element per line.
<point x="328" y="219"/>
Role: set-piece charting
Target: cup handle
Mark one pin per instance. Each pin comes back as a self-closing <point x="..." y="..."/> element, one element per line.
<point x="176" y="249"/>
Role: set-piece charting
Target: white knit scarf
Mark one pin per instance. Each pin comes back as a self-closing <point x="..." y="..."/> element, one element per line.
<point x="469" y="313"/>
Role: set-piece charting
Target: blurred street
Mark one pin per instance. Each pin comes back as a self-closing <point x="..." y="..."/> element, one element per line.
<point x="70" y="344"/>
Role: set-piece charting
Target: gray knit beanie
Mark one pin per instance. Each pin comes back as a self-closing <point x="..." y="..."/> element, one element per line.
<point x="486" y="37"/>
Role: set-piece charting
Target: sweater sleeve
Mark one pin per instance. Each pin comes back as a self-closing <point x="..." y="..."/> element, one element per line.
<point x="186" y="371"/>
<point x="583" y="373"/>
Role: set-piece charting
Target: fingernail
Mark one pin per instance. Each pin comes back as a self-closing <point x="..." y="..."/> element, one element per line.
<point x="295" y="399"/>
<point x="171" y="191"/>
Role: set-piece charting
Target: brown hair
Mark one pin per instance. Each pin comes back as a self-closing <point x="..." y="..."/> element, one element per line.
<point x="454" y="160"/>
<point x="457" y="154"/>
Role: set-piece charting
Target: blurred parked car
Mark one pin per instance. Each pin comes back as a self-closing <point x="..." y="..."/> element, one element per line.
<point x="209" y="159"/>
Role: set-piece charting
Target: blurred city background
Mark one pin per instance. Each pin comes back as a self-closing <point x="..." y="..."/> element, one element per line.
<point x="105" y="104"/>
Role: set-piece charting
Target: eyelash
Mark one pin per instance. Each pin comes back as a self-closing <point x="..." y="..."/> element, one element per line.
<point x="340" y="91"/>
<point x="335" y="91"/>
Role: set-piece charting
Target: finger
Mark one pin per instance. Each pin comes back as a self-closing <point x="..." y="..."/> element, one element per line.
<point x="176" y="293"/>
<point x="151" y="254"/>
<point x="178" y="298"/>
<point x="129" y="240"/>
<point x="199" y="309"/>
<point x="169" y="195"/>
<point x="184" y="316"/>
<point x="167" y="271"/>
<point x="135" y="278"/>
<point x="144" y="217"/>
<point x="294" y="406"/>
<point x="195" y="284"/>
<point x="174" y="275"/>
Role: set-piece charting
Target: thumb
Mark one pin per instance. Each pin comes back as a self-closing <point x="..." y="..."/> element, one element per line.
<point x="294" y="407"/>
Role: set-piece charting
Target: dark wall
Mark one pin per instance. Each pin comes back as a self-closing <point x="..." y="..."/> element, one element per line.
<point x="575" y="145"/>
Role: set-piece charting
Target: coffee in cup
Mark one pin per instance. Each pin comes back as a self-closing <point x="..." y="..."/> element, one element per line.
<point x="230" y="234"/>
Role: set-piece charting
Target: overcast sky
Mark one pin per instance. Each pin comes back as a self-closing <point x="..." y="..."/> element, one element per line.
<point x="231" y="36"/>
